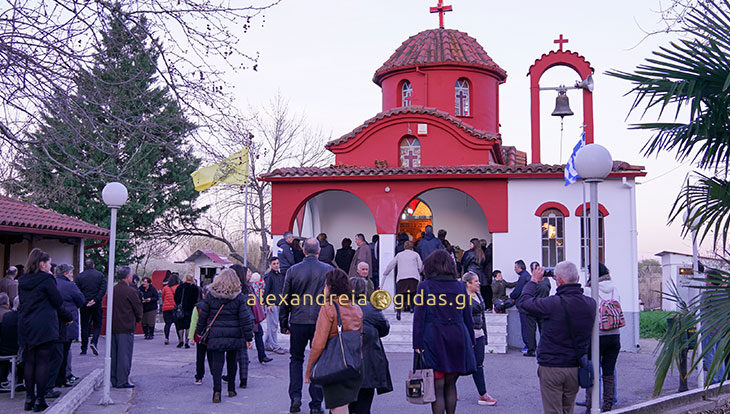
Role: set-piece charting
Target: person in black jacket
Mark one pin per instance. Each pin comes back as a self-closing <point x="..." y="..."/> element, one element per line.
<point x="474" y="260"/>
<point x="227" y="331"/>
<point x="40" y="306"/>
<point x="149" y="297"/>
<point x="73" y="299"/>
<point x="8" y="336"/>
<point x="326" y="250"/>
<point x="305" y="278"/>
<point x="376" y="373"/>
<point x="471" y="280"/>
<point x="92" y="284"/>
<point x="344" y="255"/>
<point x="285" y="253"/>
<point x="528" y="323"/>
<point x="186" y="295"/>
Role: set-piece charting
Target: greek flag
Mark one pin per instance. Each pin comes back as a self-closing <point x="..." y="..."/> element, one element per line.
<point x="571" y="175"/>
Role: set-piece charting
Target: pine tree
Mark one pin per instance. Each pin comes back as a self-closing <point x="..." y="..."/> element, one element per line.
<point x="138" y="138"/>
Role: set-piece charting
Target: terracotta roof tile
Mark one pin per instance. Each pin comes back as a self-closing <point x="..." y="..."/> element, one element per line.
<point x="618" y="166"/>
<point x="421" y="110"/>
<point x="439" y="46"/>
<point x="31" y="218"/>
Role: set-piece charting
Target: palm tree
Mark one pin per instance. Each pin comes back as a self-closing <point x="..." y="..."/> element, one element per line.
<point x="694" y="72"/>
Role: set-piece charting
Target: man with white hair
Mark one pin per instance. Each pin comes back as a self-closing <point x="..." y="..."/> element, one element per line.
<point x="362" y="270"/>
<point x="566" y="334"/>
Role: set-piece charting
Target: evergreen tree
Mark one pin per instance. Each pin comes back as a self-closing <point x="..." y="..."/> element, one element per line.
<point x="138" y="138"/>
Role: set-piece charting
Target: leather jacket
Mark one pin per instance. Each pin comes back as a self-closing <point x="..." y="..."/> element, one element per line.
<point x="304" y="278"/>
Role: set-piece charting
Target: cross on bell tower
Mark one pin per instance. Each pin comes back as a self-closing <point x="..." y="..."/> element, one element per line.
<point x="441" y="9"/>
<point x="560" y="41"/>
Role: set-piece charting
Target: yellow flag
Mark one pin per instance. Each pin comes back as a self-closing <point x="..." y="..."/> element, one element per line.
<point x="232" y="170"/>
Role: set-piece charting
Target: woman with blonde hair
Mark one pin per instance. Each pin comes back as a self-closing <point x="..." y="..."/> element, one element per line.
<point x="224" y="323"/>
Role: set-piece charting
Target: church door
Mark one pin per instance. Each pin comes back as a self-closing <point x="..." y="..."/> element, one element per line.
<point x="414" y="219"/>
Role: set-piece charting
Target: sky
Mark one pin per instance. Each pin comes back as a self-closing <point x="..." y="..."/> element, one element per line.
<point x="321" y="57"/>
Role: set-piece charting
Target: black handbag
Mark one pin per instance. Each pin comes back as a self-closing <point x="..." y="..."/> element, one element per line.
<point x="341" y="359"/>
<point x="585" y="366"/>
<point x="178" y="312"/>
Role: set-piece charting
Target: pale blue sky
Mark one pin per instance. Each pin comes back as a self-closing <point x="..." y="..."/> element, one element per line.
<point x="321" y="55"/>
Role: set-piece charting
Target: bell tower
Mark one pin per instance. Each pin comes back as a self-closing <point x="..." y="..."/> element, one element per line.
<point x="574" y="61"/>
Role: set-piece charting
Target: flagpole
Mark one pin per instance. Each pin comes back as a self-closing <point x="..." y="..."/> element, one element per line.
<point x="245" y="224"/>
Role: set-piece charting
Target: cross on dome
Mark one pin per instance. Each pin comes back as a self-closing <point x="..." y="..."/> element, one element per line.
<point x="441" y="9"/>
<point x="560" y="41"/>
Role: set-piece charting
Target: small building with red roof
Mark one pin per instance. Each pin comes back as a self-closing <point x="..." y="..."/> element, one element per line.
<point x="434" y="154"/>
<point x="25" y="226"/>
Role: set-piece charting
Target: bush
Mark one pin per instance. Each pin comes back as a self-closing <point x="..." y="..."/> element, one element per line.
<point x="653" y="324"/>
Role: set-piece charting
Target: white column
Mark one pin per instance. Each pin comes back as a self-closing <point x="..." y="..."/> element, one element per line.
<point x="81" y="255"/>
<point x="387" y="252"/>
<point x="275" y="239"/>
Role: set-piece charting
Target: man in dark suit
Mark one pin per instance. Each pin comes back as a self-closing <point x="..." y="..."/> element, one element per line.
<point x="92" y="285"/>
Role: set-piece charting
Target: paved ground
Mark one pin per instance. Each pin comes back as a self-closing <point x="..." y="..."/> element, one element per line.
<point x="164" y="378"/>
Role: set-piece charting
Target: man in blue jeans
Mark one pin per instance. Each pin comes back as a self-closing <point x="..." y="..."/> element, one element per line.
<point x="528" y="323"/>
<point x="304" y="280"/>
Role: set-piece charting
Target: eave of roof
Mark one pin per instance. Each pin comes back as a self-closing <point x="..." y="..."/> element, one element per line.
<point x="21" y="217"/>
<point x="415" y="110"/>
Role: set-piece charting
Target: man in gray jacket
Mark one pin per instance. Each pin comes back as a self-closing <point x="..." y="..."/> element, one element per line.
<point x="298" y="317"/>
<point x="8" y="284"/>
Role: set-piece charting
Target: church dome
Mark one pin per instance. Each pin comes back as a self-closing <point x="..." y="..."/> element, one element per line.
<point x="439" y="47"/>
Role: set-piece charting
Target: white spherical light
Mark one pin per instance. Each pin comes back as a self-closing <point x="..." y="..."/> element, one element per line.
<point x="114" y="194"/>
<point x="593" y="162"/>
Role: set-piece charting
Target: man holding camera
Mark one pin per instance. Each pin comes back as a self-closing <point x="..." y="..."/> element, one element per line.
<point x="568" y="321"/>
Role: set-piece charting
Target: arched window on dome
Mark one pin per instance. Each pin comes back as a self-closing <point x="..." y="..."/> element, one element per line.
<point x="461" y="98"/>
<point x="410" y="151"/>
<point x="406" y="91"/>
<point x="552" y="224"/>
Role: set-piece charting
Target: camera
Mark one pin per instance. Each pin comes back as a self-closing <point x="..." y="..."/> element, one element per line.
<point x="549" y="272"/>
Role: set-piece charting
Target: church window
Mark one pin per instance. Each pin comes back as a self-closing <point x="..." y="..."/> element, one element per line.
<point x="406" y="91"/>
<point x="461" y="98"/>
<point x="410" y="152"/>
<point x="585" y="239"/>
<point x="552" y="223"/>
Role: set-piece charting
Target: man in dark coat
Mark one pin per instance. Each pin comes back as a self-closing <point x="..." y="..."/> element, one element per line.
<point x="362" y="254"/>
<point x="126" y="314"/>
<point x="344" y="255"/>
<point x="528" y="323"/>
<point x="73" y="299"/>
<point x="375" y="255"/>
<point x="429" y="243"/>
<point x="568" y="323"/>
<point x="92" y="285"/>
<point x="8" y="334"/>
<point x="285" y="252"/>
<point x="326" y="250"/>
<point x="303" y="280"/>
<point x="273" y="286"/>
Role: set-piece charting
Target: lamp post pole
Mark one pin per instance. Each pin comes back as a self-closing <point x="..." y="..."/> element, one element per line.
<point x="106" y="398"/>
<point x="115" y="196"/>
<point x="593" y="164"/>
<point x="696" y="273"/>
<point x="593" y="230"/>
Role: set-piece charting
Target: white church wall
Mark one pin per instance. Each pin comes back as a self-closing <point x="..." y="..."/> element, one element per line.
<point x="341" y="214"/>
<point x="458" y="214"/>
<point x="523" y="241"/>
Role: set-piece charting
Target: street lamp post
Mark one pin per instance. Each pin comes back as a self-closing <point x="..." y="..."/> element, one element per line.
<point x="593" y="163"/>
<point x="115" y="196"/>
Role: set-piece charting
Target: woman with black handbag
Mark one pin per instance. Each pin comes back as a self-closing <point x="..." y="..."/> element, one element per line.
<point x="376" y="374"/>
<point x="338" y="308"/>
<point x="224" y="323"/>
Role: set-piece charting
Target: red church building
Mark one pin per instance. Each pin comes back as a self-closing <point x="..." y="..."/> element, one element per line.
<point x="434" y="155"/>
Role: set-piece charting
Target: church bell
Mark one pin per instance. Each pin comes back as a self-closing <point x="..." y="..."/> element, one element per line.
<point x="562" y="107"/>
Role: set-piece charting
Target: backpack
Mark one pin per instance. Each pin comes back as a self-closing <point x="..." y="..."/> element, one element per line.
<point x="612" y="317"/>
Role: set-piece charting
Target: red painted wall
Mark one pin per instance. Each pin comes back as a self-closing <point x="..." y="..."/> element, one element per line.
<point x="434" y="87"/>
<point x="444" y="145"/>
<point x="491" y="195"/>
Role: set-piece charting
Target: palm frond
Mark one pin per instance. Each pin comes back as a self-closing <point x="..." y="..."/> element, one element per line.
<point x="708" y="201"/>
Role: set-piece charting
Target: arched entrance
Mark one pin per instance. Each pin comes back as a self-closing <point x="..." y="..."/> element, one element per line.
<point x="450" y="209"/>
<point x="337" y="213"/>
<point x="414" y="218"/>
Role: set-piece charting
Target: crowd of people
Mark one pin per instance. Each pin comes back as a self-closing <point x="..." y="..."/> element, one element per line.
<point x="45" y="309"/>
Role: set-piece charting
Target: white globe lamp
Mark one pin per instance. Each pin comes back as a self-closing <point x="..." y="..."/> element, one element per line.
<point x="114" y="194"/>
<point x="593" y="162"/>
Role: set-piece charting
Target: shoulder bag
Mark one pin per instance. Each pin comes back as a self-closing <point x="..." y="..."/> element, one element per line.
<point x="203" y="339"/>
<point x="585" y="366"/>
<point x="341" y="359"/>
